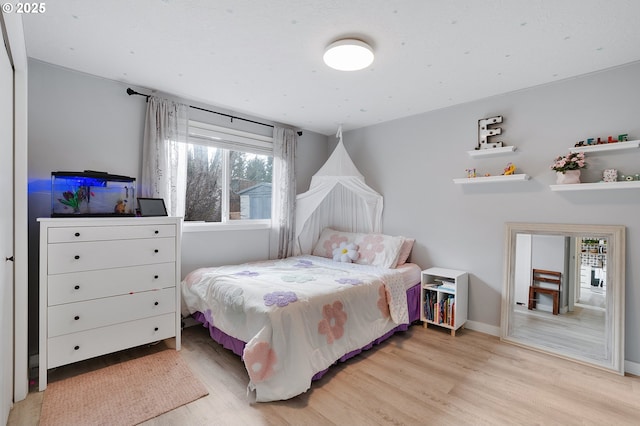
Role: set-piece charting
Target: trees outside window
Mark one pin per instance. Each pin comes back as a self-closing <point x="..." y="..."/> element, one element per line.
<point x="225" y="185"/>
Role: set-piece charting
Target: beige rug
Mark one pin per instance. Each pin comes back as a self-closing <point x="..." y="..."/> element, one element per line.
<point x="123" y="394"/>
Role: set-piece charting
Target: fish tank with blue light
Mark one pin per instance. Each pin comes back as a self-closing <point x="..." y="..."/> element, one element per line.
<point x="92" y="194"/>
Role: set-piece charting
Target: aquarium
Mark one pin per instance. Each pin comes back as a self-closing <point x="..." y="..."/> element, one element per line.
<point x="92" y="193"/>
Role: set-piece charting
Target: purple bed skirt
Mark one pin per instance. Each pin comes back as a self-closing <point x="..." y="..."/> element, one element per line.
<point x="237" y="346"/>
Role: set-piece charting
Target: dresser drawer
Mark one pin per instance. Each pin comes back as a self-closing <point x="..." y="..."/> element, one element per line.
<point x="101" y="233"/>
<point x="86" y="285"/>
<point x="80" y="316"/>
<point x="88" y="256"/>
<point x="88" y="344"/>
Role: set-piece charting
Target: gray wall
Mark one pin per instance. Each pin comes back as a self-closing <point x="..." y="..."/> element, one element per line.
<point x="412" y="162"/>
<point x="78" y="121"/>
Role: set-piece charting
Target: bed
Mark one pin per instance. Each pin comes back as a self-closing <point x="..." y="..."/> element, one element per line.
<point x="291" y="319"/>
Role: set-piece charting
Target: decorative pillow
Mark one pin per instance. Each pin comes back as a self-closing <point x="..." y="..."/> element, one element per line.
<point x="405" y="251"/>
<point x="346" y="252"/>
<point x="373" y="249"/>
<point x="330" y="240"/>
<point x="378" y="250"/>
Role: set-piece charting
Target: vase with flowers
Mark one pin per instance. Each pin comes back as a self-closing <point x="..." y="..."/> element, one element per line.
<point x="568" y="167"/>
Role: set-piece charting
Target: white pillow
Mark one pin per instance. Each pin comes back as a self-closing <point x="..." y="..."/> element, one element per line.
<point x="378" y="250"/>
<point x="373" y="249"/>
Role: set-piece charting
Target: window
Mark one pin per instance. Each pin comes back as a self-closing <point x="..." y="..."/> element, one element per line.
<point x="229" y="175"/>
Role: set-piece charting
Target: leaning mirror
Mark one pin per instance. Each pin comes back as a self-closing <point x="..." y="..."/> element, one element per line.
<point x="564" y="291"/>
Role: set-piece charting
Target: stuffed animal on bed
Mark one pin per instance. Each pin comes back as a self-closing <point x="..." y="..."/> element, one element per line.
<point x="346" y="252"/>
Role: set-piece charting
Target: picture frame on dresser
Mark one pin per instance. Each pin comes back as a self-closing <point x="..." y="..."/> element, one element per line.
<point x="106" y="284"/>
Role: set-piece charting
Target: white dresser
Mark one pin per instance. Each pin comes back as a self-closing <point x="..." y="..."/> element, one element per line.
<point x="106" y="284"/>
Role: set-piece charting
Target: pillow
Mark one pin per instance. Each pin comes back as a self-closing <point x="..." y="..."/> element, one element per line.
<point x="330" y="240"/>
<point x="373" y="249"/>
<point x="378" y="250"/>
<point x="346" y="252"/>
<point x="405" y="251"/>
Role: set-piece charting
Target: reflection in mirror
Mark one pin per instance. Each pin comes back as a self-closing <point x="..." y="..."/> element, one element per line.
<point x="564" y="291"/>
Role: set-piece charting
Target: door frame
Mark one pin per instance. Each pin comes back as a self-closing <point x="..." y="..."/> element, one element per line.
<point x="18" y="55"/>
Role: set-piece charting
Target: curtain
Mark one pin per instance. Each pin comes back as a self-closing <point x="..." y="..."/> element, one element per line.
<point x="284" y="178"/>
<point x="164" y="154"/>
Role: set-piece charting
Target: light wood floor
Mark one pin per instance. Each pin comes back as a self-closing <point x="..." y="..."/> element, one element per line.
<point x="578" y="333"/>
<point x="420" y="377"/>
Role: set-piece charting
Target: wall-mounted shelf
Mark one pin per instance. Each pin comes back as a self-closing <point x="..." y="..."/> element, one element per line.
<point x="598" y="186"/>
<point x="491" y="151"/>
<point x="492" y="179"/>
<point x="615" y="146"/>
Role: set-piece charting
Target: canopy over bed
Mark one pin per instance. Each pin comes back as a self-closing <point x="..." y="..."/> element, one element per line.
<point x="337" y="197"/>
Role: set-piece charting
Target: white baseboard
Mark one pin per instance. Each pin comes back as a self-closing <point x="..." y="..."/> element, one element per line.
<point x="482" y="327"/>
<point x="632" y="367"/>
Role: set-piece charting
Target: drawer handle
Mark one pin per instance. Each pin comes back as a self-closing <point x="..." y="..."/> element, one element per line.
<point x="156" y="250"/>
<point x="76" y="347"/>
<point x="77" y="234"/>
<point x="76" y="287"/>
<point x="155" y="277"/>
<point x="155" y="303"/>
<point x="156" y="232"/>
<point x="76" y="317"/>
<point x="156" y="329"/>
<point x="76" y="257"/>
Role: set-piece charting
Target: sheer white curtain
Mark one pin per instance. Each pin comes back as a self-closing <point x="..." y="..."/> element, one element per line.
<point x="284" y="194"/>
<point x="164" y="153"/>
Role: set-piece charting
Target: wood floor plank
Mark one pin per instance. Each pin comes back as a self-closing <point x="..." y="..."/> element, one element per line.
<point x="420" y="377"/>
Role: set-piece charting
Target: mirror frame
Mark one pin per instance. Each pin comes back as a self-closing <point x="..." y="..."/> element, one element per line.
<point x="614" y="318"/>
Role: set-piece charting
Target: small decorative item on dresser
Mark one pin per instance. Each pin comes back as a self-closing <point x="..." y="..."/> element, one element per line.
<point x="568" y="167"/>
<point x="610" y="175"/>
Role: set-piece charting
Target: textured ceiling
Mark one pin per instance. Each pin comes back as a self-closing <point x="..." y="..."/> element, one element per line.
<point x="264" y="58"/>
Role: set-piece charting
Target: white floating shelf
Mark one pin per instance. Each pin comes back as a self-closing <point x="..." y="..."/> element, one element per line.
<point x="492" y="179"/>
<point x="598" y="186"/>
<point x="491" y="151"/>
<point x="615" y="146"/>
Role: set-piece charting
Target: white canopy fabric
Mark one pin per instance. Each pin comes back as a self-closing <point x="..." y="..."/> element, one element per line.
<point x="338" y="198"/>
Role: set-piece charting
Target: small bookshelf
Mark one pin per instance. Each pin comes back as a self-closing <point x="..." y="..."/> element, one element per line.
<point x="443" y="298"/>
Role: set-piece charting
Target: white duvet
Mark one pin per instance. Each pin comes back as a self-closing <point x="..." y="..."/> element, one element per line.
<point x="297" y="315"/>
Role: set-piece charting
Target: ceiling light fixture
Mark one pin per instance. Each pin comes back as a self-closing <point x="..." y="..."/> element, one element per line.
<point x="348" y="55"/>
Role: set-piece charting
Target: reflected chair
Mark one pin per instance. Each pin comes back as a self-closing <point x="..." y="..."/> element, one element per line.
<point x="545" y="282"/>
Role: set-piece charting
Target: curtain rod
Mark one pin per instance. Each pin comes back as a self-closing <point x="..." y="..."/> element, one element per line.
<point x="130" y="92"/>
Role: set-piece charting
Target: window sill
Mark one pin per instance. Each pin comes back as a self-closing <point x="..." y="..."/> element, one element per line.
<point x="245" y="225"/>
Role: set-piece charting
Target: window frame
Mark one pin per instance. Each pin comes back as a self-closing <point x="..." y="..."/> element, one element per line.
<point x="230" y="140"/>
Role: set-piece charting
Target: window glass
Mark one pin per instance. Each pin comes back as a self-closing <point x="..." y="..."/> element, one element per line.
<point x="203" y="200"/>
<point x="224" y="184"/>
<point x="250" y="186"/>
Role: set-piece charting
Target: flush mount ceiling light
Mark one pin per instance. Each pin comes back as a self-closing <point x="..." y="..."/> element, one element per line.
<point x="348" y="55"/>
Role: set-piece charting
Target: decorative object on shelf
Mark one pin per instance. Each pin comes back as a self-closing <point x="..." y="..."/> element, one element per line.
<point x="568" y="177"/>
<point x="510" y="169"/>
<point x="471" y="173"/>
<point x="610" y="175"/>
<point x="627" y="178"/>
<point x="621" y="138"/>
<point x="484" y="132"/>
<point x="568" y="167"/>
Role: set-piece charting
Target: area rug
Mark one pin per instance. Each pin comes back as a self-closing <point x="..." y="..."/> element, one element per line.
<point x="122" y="394"/>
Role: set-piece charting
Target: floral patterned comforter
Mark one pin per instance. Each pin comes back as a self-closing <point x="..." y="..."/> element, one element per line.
<point x="297" y="315"/>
